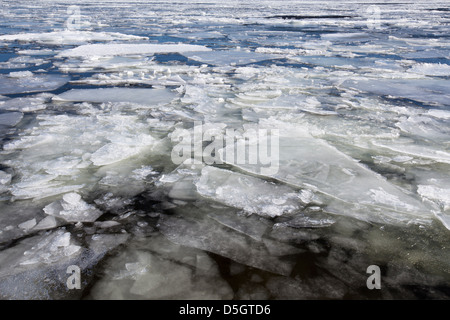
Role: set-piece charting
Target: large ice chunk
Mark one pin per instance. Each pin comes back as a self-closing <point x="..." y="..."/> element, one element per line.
<point x="248" y="193"/>
<point x="135" y="95"/>
<point x="140" y="272"/>
<point x="37" y="267"/>
<point x="73" y="209"/>
<point x="11" y="118"/>
<point x="225" y="58"/>
<point x="350" y="188"/>
<point x="431" y="91"/>
<point x="33" y="83"/>
<point x="68" y="37"/>
<point x="121" y="49"/>
<point x="200" y="231"/>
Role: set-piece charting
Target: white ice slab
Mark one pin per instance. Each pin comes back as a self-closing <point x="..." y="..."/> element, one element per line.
<point x="248" y="193"/>
<point x="10" y="118"/>
<point x="36" y="83"/>
<point x="134" y="95"/>
<point x="68" y="37"/>
<point x="353" y="189"/>
<point x="225" y="58"/>
<point x="73" y="209"/>
<point x="424" y="90"/>
<point x="98" y="49"/>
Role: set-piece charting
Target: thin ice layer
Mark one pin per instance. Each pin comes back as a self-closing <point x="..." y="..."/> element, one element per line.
<point x="31" y="83"/>
<point x="129" y="49"/>
<point x="204" y="233"/>
<point x="353" y="189"/>
<point x="140" y="272"/>
<point x="133" y="95"/>
<point x="48" y="256"/>
<point x="72" y="208"/>
<point x="68" y="37"/>
<point x="225" y="58"/>
<point x="248" y="193"/>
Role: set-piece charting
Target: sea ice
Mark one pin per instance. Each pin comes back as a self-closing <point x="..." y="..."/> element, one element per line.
<point x="31" y="83"/>
<point x="65" y="37"/>
<point x="122" y="49"/>
<point x="26" y="104"/>
<point x="73" y="209"/>
<point x="10" y="118"/>
<point x="311" y="163"/>
<point x="430" y="91"/>
<point x="36" y="267"/>
<point x="206" y="234"/>
<point x="132" y="95"/>
<point x="225" y="58"/>
<point x="248" y="193"/>
<point x="140" y="273"/>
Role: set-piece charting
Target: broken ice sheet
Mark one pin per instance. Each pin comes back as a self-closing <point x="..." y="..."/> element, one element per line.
<point x="68" y="37"/>
<point x="115" y="152"/>
<point x="439" y="195"/>
<point x="140" y="272"/>
<point x="54" y="156"/>
<point x="25" y="265"/>
<point x="72" y="208"/>
<point x="121" y="49"/>
<point x="142" y="96"/>
<point x="225" y="58"/>
<point x="10" y="118"/>
<point x="202" y="232"/>
<point x="307" y="221"/>
<point x="36" y="267"/>
<point x="32" y="83"/>
<point x="248" y="193"/>
<point x="429" y="91"/>
<point x="21" y="219"/>
<point x="250" y="225"/>
<point x="26" y="104"/>
<point x="410" y="147"/>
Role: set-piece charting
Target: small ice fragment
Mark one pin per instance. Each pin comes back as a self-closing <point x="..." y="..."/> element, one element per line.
<point x="21" y="74"/>
<point x="11" y="118"/>
<point x="48" y="222"/>
<point x="107" y="224"/>
<point x="121" y="49"/>
<point x="28" y="224"/>
<point x="5" y="178"/>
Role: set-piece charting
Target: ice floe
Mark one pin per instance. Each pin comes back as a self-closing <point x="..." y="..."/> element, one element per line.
<point x="225" y="58"/>
<point x="28" y="82"/>
<point x="129" y="49"/>
<point x="64" y="37"/>
<point x="133" y="95"/>
<point x="73" y="209"/>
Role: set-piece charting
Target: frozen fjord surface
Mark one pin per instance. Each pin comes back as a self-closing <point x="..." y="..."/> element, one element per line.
<point x="363" y="176"/>
<point x="31" y="83"/>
